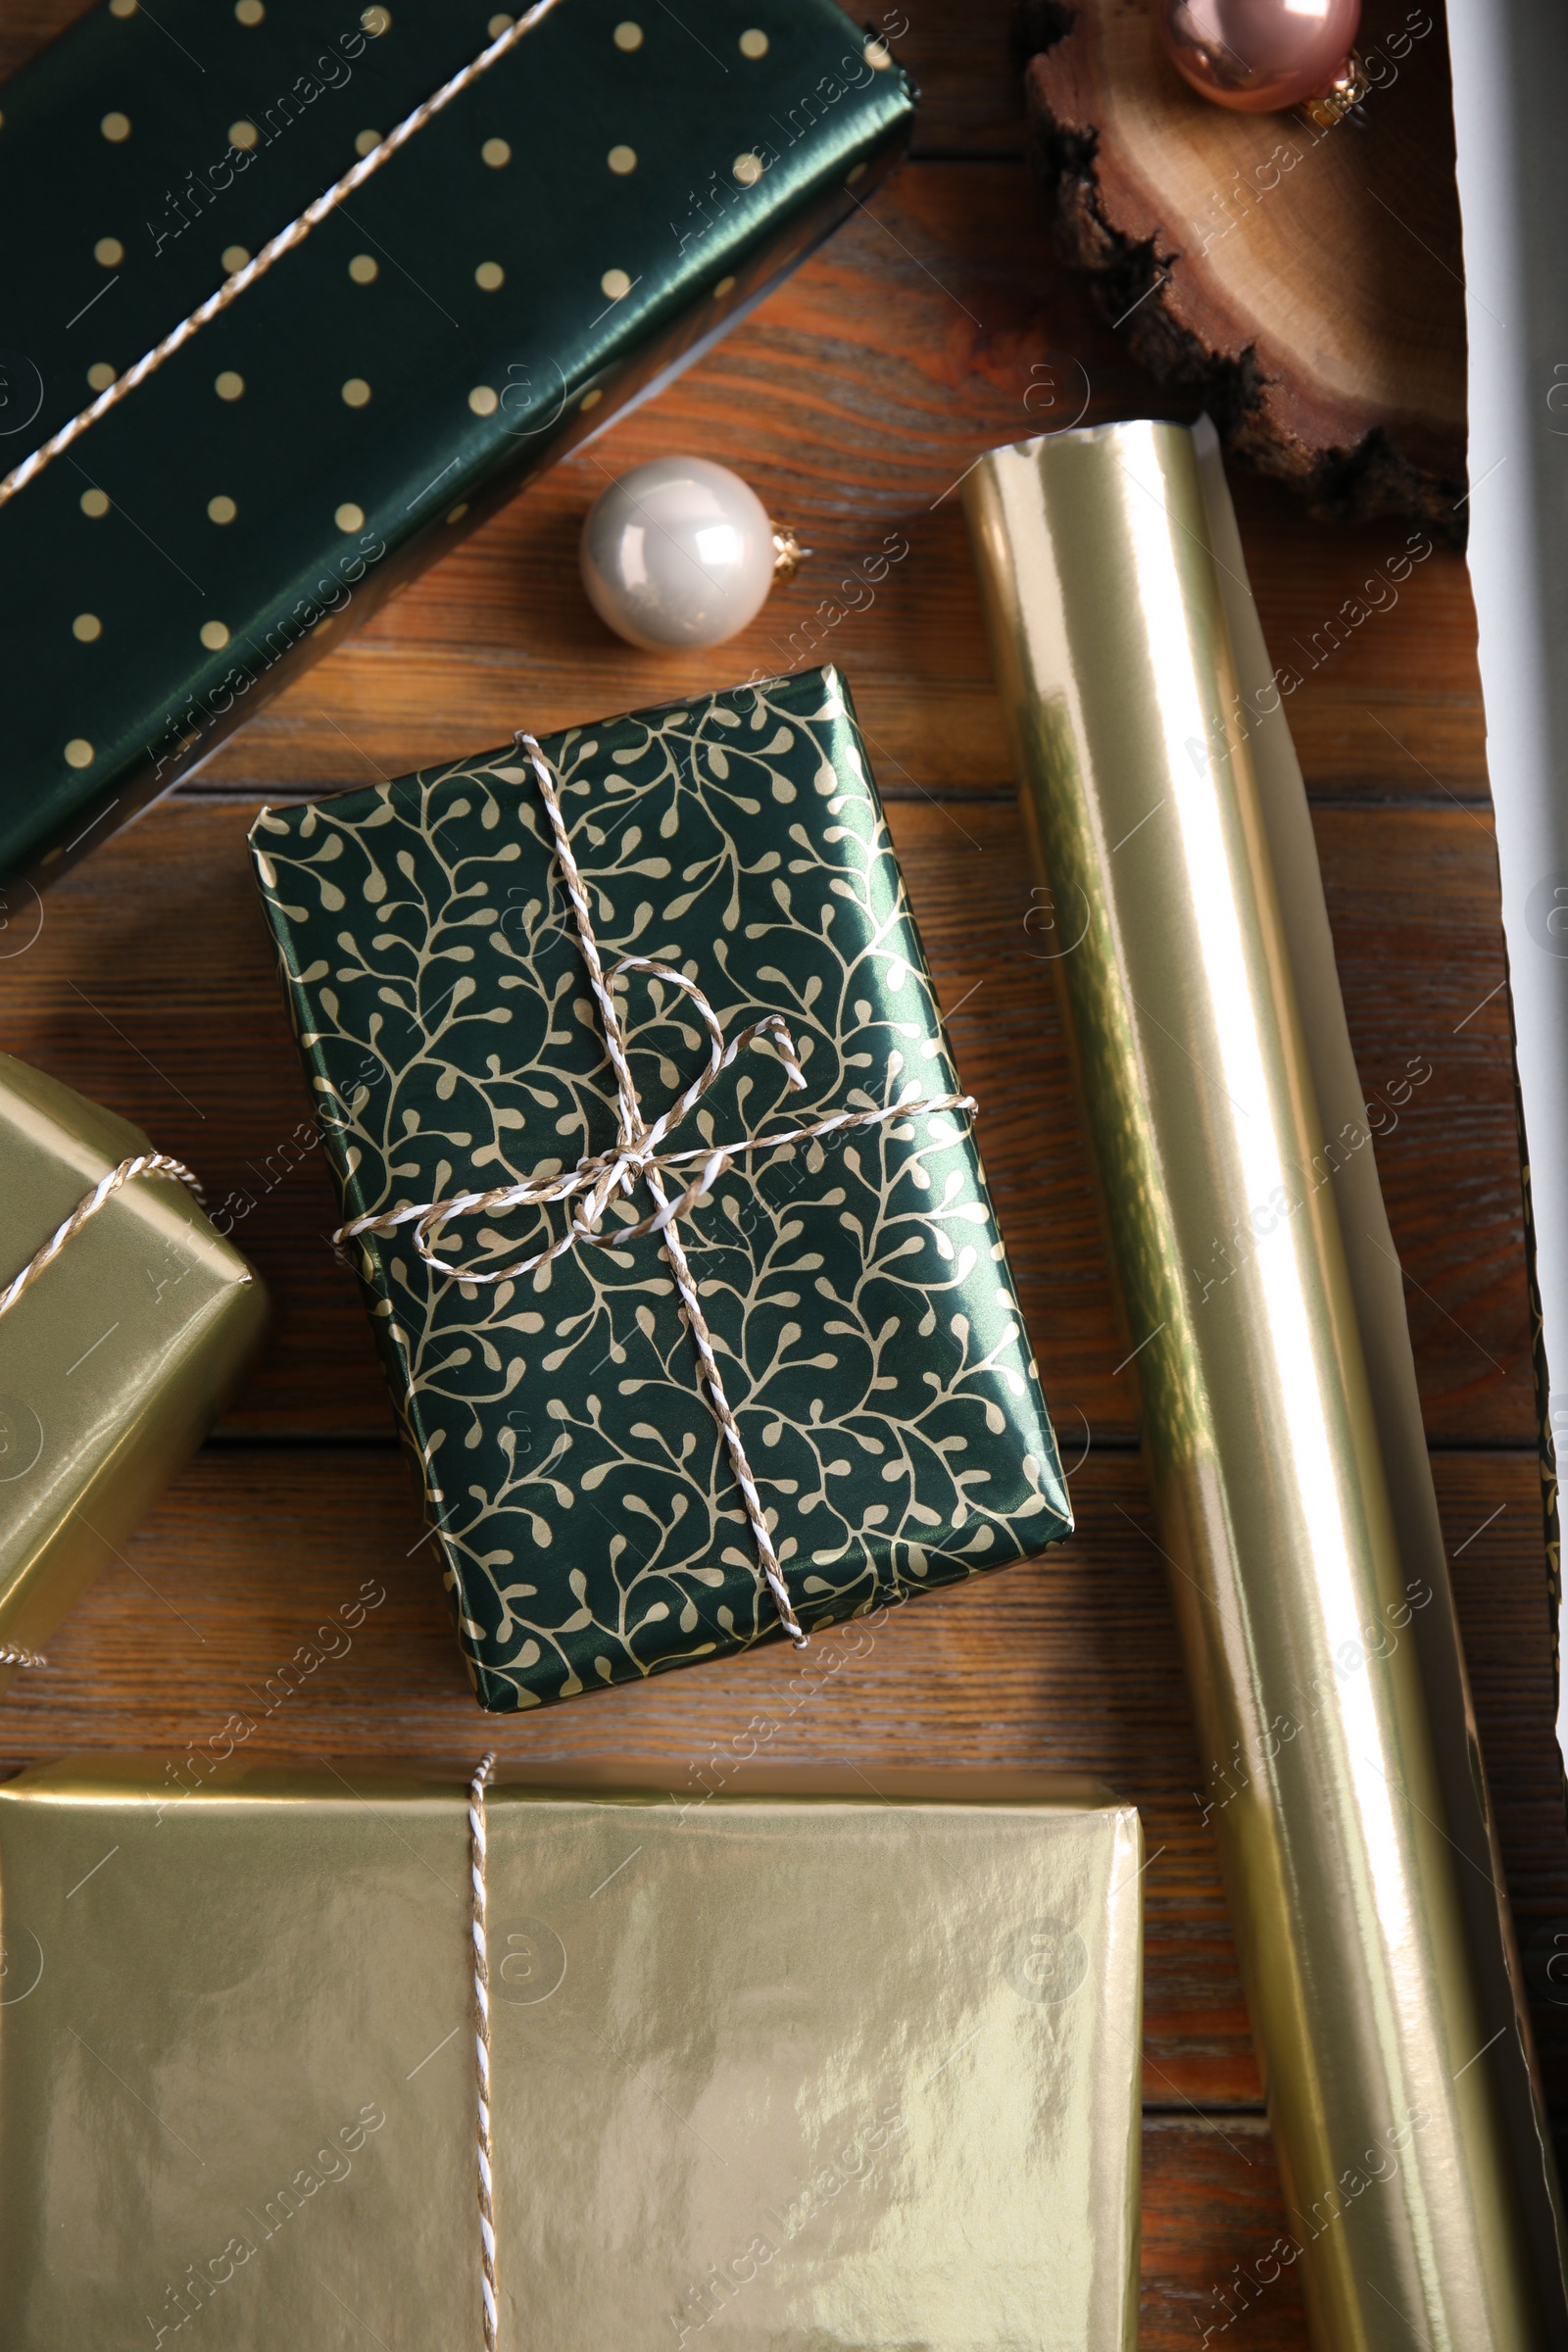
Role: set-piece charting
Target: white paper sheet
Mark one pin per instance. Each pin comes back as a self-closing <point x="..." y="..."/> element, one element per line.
<point x="1510" y="108"/>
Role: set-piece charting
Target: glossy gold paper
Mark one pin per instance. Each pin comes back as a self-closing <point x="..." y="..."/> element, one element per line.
<point x="1315" y="1622"/>
<point x="786" y="2072"/>
<point x="118" y="1359"/>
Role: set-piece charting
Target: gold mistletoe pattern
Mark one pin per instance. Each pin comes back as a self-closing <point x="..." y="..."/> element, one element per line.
<point x="857" y="1288"/>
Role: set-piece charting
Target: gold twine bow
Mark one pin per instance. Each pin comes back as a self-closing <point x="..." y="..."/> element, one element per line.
<point x="637" y="1154"/>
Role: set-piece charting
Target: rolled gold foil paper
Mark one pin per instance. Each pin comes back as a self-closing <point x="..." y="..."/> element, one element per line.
<point x="1292" y="1490"/>
<point x="800" y="2066"/>
<point x="115" y="1363"/>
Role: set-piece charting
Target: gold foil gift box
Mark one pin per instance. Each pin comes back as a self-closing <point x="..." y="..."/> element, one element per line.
<point x="129" y="1339"/>
<point x="1281" y="1422"/>
<point x="788" y="2072"/>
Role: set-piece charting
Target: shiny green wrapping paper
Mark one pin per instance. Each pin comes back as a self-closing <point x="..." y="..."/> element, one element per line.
<point x="587" y="1515"/>
<point x="1281" y="1424"/>
<point x="584" y="219"/>
<point x="118" y="1359"/>
<point x="793" y="2072"/>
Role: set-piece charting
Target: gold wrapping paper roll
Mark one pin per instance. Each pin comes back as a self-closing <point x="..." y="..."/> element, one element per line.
<point x="1418" y="2192"/>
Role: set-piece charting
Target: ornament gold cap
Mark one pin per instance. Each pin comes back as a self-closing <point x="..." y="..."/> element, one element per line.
<point x="788" y="552"/>
<point x="1343" y="96"/>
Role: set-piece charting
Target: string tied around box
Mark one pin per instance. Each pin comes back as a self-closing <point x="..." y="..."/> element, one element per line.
<point x="145" y="1163"/>
<point x="638" y="1155"/>
<point x="479" y="1849"/>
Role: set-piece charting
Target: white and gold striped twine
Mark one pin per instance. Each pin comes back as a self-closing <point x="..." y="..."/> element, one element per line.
<point x="637" y="1154"/>
<point x="145" y="1163"/>
<point x="273" y="251"/>
<point x="481" y="2043"/>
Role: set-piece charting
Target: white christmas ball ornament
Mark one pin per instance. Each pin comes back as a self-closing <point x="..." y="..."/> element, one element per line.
<point x="679" y="552"/>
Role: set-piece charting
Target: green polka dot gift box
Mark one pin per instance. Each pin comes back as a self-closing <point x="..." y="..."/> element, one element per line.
<point x="294" y="294"/>
<point x="662" y="1188"/>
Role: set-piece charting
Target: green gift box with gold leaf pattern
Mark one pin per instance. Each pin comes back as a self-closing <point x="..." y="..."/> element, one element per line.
<point x="662" y="1188"/>
<point x="244" y="397"/>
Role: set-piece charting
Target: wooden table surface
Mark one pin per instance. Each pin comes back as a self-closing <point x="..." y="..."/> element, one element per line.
<point x="937" y="324"/>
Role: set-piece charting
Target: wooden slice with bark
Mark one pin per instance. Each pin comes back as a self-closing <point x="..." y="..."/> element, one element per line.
<point x="1303" y="280"/>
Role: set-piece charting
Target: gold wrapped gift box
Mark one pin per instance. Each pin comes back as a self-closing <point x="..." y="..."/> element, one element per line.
<point x="114" y="1363"/>
<point x="813" y="2064"/>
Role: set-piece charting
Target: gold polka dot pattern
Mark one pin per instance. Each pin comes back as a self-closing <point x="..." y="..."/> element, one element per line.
<point x="438" y="323"/>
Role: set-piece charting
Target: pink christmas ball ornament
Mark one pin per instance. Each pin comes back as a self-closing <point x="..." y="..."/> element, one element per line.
<point x="1260" y="56"/>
